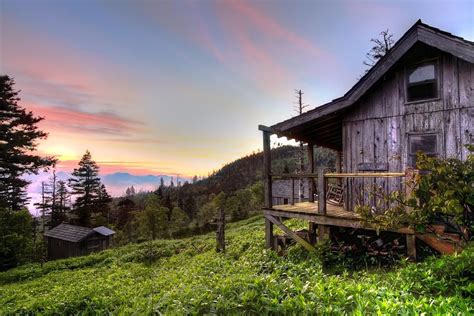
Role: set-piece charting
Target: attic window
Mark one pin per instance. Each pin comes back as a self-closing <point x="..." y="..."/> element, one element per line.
<point x="426" y="143"/>
<point x="422" y="81"/>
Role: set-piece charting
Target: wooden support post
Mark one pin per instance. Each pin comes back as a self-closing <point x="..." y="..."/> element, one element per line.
<point x="312" y="232"/>
<point x="267" y="165"/>
<point x="291" y="233"/>
<point x="220" y="233"/>
<point x="269" y="237"/>
<point x="323" y="233"/>
<point x="321" y="192"/>
<point x="292" y="198"/>
<point x="310" y="169"/>
<point x="411" y="246"/>
<point x="338" y="161"/>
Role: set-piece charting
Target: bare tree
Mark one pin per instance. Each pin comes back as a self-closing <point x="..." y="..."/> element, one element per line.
<point x="381" y="46"/>
<point x="299" y="109"/>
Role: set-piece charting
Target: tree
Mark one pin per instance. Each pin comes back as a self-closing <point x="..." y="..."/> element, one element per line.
<point x="209" y="210"/>
<point x="178" y="219"/>
<point x="153" y="220"/>
<point x="19" y="136"/>
<point x="85" y="184"/>
<point x="381" y="47"/>
<point x="130" y="191"/>
<point x="61" y="208"/>
<point x="300" y="110"/>
<point x="16" y="237"/>
<point x="102" y="207"/>
<point x="125" y="208"/>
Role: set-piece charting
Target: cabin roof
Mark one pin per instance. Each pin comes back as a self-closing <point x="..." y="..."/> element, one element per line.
<point x="323" y="125"/>
<point x="104" y="231"/>
<point x="75" y="233"/>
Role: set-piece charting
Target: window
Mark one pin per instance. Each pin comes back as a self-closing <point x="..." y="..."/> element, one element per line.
<point x="426" y="143"/>
<point x="422" y="81"/>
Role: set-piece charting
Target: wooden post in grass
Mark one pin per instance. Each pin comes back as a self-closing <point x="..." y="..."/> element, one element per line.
<point x="220" y="232"/>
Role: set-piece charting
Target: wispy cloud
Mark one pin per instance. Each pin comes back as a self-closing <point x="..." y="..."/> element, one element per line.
<point x="78" y="121"/>
<point x="270" y="27"/>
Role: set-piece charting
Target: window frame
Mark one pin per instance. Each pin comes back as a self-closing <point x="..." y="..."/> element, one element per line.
<point x="438" y="153"/>
<point x="436" y="62"/>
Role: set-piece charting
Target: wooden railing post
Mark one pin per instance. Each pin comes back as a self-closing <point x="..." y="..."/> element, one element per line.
<point x="292" y="198"/>
<point x="321" y="192"/>
<point x="267" y="165"/>
<point x="310" y="170"/>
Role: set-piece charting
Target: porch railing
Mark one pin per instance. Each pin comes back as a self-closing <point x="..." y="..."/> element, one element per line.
<point x="322" y="177"/>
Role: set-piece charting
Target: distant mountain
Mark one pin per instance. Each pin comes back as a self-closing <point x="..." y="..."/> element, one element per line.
<point x="124" y="178"/>
<point x="116" y="183"/>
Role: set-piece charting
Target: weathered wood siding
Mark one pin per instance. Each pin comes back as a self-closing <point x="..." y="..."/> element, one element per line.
<point x="58" y="248"/>
<point x="377" y="129"/>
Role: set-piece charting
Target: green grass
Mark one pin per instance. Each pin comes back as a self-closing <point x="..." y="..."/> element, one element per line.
<point x="187" y="276"/>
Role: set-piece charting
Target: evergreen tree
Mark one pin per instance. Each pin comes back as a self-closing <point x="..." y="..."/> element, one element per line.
<point x="130" y="192"/>
<point x="19" y="137"/>
<point x="85" y="184"/>
<point x="168" y="204"/>
<point x="178" y="219"/>
<point x="16" y="237"/>
<point x="61" y="208"/>
<point x="125" y="208"/>
<point x="153" y="220"/>
<point x="102" y="207"/>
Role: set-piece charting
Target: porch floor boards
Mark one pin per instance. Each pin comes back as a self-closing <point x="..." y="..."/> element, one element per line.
<point x="335" y="215"/>
<point x="312" y="208"/>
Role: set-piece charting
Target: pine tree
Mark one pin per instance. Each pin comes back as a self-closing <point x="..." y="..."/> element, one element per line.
<point x="178" y="220"/>
<point x="124" y="209"/>
<point x="62" y="208"/>
<point x="19" y="137"/>
<point x="102" y="207"/>
<point x="85" y="184"/>
<point x="153" y="219"/>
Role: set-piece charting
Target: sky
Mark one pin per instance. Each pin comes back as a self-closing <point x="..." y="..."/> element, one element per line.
<point x="179" y="87"/>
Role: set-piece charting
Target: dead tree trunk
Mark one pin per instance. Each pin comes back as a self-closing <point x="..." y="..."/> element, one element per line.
<point x="299" y="109"/>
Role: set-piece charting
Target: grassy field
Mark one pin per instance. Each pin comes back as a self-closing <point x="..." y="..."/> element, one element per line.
<point x="187" y="276"/>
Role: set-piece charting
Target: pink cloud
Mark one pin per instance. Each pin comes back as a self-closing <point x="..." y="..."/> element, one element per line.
<point x="270" y="27"/>
<point x="61" y="118"/>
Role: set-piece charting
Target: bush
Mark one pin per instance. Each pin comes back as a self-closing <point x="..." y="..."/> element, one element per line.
<point x="444" y="190"/>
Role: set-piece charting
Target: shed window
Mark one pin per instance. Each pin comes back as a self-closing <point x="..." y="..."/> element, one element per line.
<point x="422" y="82"/>
<point x="426" y="143"/>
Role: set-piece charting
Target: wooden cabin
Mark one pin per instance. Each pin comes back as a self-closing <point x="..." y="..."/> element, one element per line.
<point x="419" y="97"/>
<point x="66" y="240"/>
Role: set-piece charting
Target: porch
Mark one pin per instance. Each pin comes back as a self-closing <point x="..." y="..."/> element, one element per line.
<point x="319" y="207"/>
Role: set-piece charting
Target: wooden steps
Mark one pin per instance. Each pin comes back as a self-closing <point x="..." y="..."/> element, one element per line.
<point x="441" y="241"/>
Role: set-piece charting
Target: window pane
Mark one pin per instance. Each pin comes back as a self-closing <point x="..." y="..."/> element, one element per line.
<point x="422" y="73"/>
<point x="423" y="143"/>
<point x="422" y="91"/>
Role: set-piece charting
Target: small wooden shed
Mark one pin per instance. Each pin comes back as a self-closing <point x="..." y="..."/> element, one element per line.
<point x="418" y="97"/>
<point x="67" y="240"/>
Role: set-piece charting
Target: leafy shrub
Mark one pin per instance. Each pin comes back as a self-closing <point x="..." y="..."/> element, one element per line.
<point x="445" y="187"/>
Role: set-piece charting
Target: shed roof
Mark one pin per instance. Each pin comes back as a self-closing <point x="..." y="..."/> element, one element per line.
<point x="322" y="125"/>
<point x="75" y="233"/>
<point x="70" y="233"/>
<point x="104" y="231"/>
